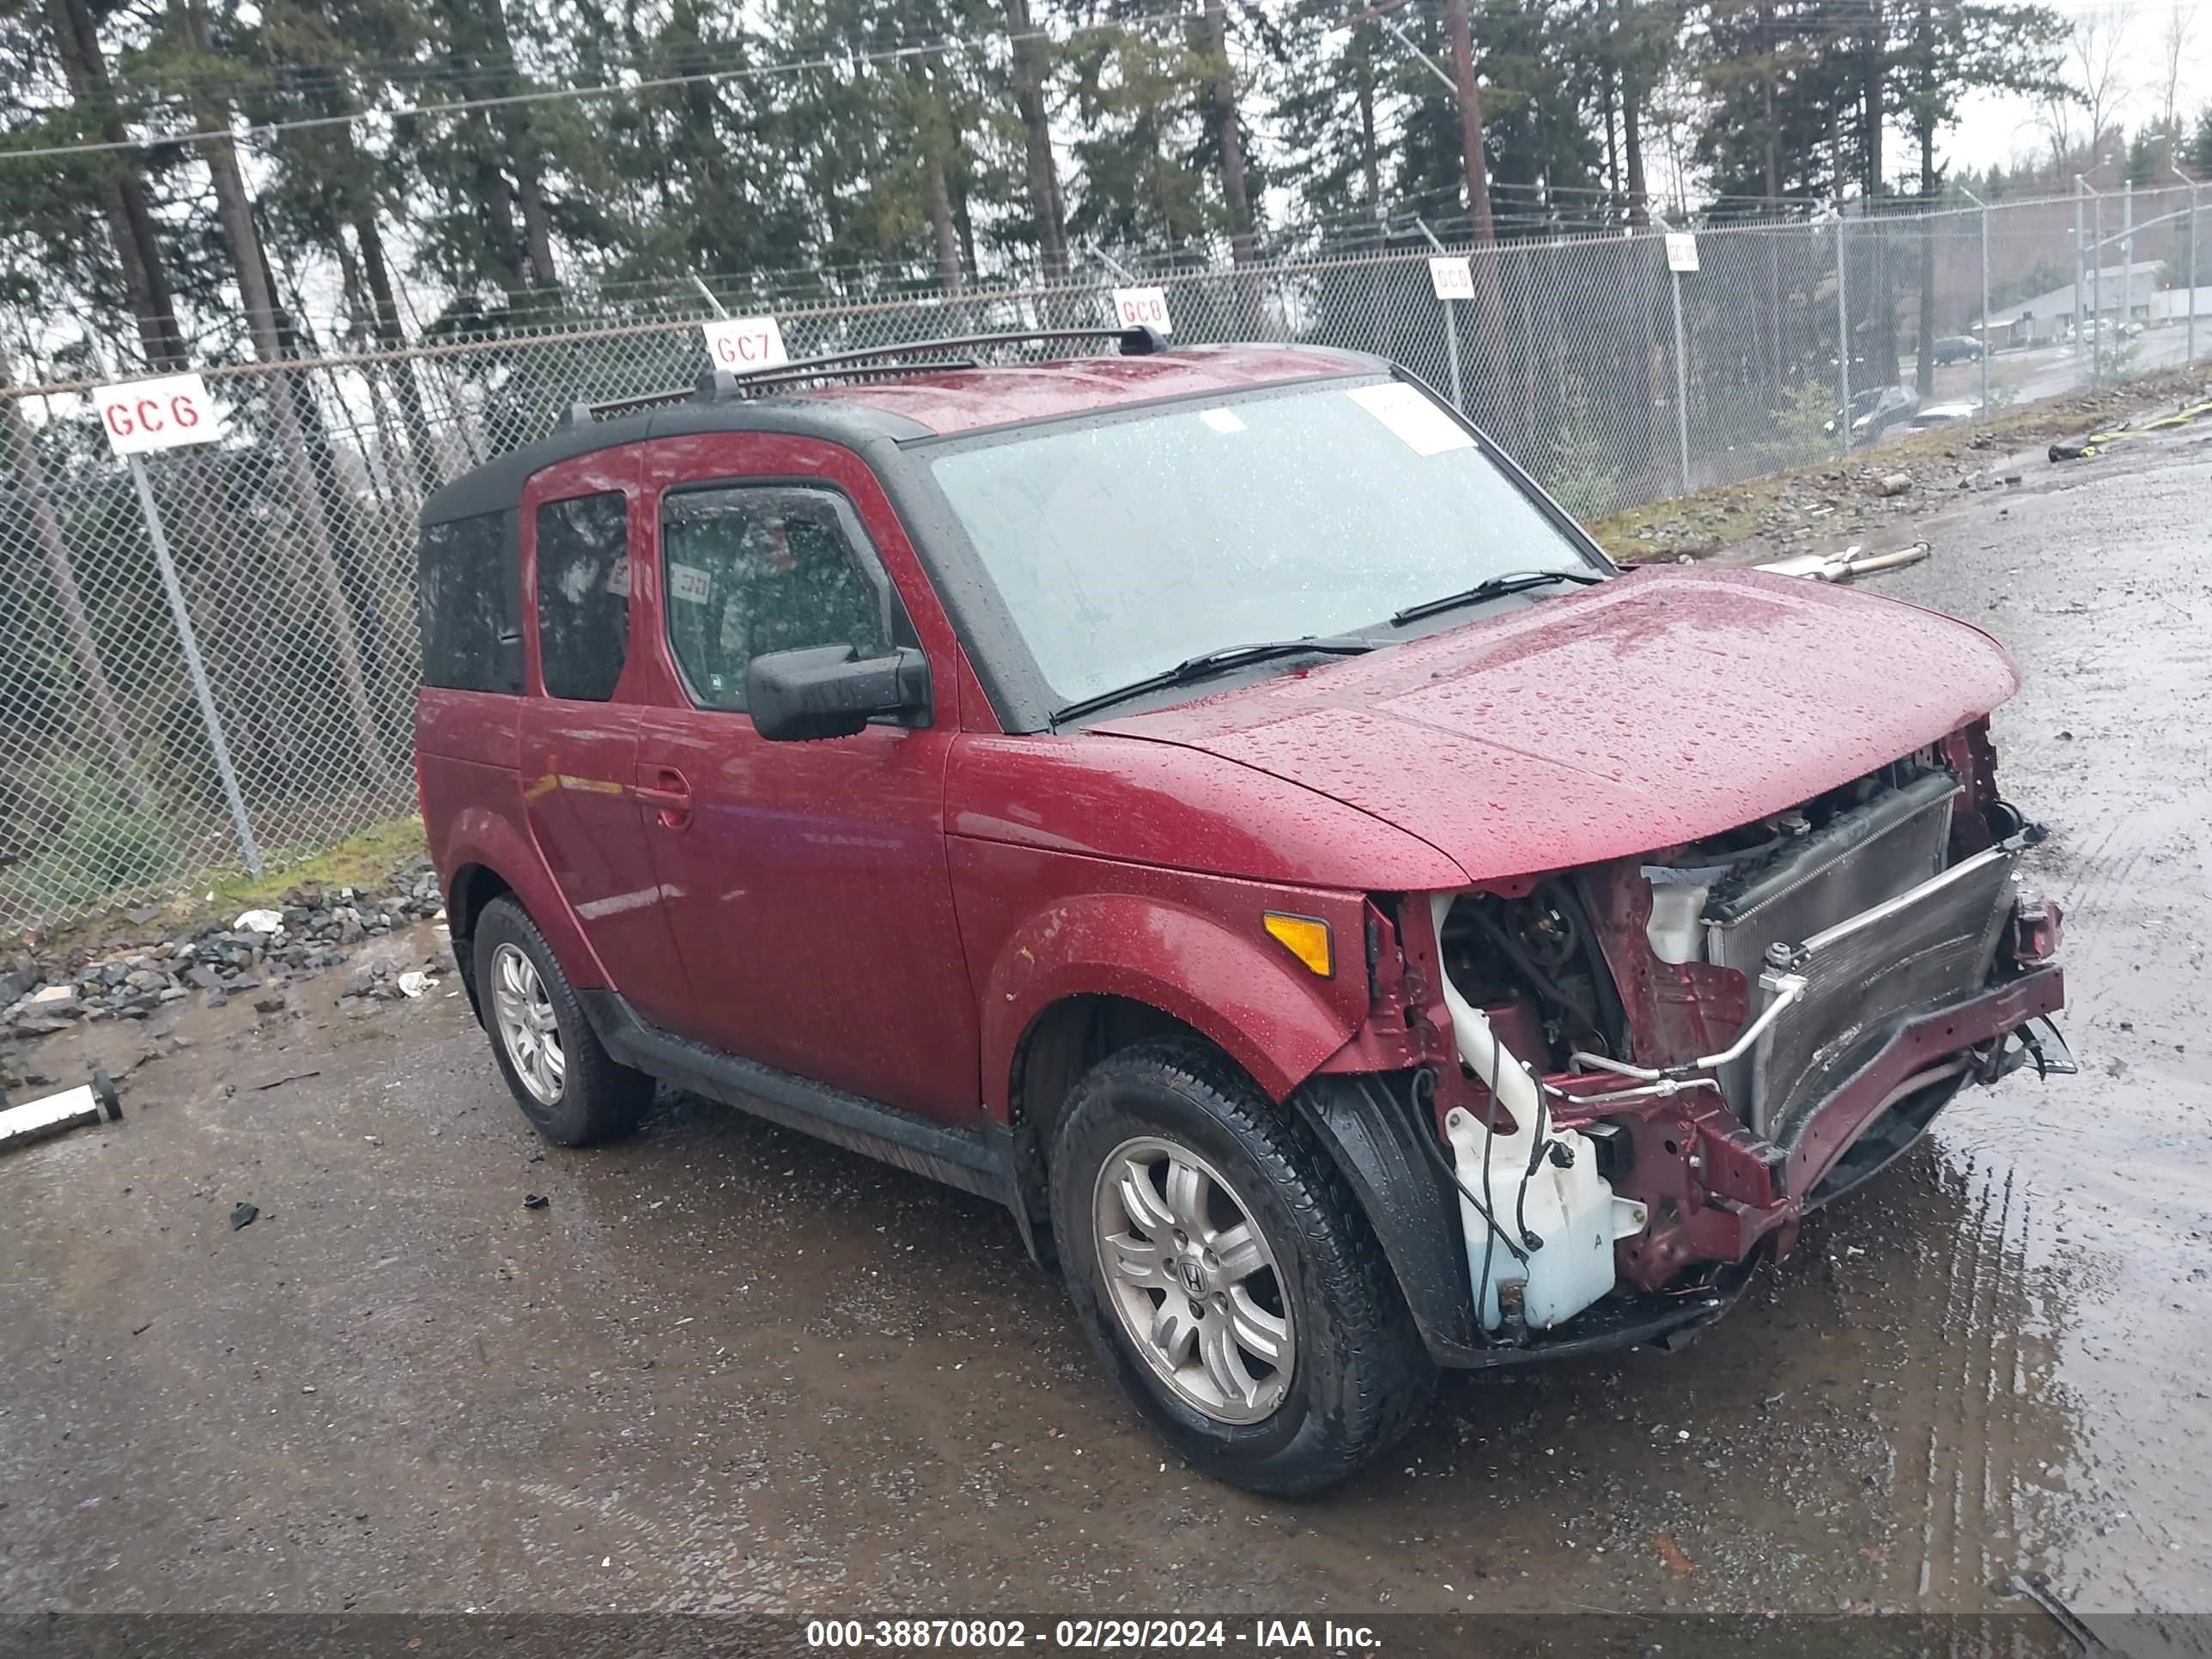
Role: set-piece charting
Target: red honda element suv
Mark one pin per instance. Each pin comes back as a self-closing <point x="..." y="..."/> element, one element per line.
<point x="1212" y="801"/>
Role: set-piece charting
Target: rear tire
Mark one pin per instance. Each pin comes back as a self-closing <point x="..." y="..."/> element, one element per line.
<point x="572" y="1090"/>
<point x="1226" y="1276"/>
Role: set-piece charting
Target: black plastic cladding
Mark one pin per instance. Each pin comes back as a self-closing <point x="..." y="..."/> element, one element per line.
<point x="895" y="449"/>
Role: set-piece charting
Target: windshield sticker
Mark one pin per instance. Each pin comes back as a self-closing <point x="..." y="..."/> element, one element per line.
<point x="1425" y="427"/>
<point x="689" y="583"/>
<point x="1222" y="420"/>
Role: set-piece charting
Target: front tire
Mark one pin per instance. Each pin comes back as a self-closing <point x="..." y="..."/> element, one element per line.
<point x="572" y="1090"/>
<point x="1226" y="1275"/>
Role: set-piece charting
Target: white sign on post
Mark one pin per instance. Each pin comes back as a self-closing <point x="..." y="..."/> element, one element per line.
<point x="738" y="343"/>
<point x="1681" y="250"/>
<point x="166" y="412"/>
<point x="1142" y="307"/>
<point x="1453" y="278"/>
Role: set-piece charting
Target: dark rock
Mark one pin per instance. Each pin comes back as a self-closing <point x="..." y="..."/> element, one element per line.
<point x="242" y="1215"/>
<point x="269" y="1004"/>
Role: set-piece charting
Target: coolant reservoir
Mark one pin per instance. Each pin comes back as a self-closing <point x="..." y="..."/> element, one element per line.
<point x="1572" y="1209"/>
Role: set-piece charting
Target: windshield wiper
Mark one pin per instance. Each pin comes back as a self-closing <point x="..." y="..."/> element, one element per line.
<point x="1207" y="663"/>
<point x="1493" y="587"/>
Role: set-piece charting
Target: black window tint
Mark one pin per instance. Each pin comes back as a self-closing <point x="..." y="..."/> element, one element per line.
<point x="468" y="594"/>
<point x="583" y="595"/>
<point x="760" y="568"/>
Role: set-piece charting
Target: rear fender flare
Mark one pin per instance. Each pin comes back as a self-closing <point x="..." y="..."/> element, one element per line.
<point x="1242" y="994"/>
<point x="485" y="838"/>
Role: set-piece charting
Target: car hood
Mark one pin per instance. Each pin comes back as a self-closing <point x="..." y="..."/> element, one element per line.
<point x="1659" y="708"/>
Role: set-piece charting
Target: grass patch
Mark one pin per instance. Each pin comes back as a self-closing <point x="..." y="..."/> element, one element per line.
<point x="362" y="860"/>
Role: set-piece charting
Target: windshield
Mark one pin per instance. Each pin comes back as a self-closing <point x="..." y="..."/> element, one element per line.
<point x="1123" y="548"/>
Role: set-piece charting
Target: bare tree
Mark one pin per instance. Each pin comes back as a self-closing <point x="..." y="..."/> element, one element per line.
<point x="2094" y="87"/>
<point x="2180" y="26"/>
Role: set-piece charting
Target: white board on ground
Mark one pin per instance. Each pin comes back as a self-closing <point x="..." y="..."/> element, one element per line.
<point x="1142" y="307"/>
<point x="738" y="343"/>
<point x="165" y="412"/>
<point x="1452" y="278"/>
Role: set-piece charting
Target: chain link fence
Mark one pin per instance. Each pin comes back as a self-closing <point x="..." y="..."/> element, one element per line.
<point x="1615" y="380"/>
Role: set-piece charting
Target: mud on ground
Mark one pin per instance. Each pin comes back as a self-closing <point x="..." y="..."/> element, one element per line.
<point x="726" y="1366"/>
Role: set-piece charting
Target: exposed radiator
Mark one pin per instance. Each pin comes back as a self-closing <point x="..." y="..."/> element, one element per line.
<point x="1877" y="928"/>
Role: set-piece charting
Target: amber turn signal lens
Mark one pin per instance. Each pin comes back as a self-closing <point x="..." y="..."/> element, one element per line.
<point x="1305" y="937"/>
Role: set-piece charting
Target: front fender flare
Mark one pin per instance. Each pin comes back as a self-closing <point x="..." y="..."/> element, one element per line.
<point x="1267" y="1013"/>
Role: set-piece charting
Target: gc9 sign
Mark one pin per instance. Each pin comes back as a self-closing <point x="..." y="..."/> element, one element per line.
<point x="163" y="413"/>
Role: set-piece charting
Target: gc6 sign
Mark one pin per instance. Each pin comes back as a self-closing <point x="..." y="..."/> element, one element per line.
<point x="163" y="413"/>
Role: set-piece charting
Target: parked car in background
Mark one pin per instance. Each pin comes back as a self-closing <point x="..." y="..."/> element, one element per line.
<point x="1936" y="415"/>
<point x="1877" y="409"/>
<point x="1958" y="349"/>
<point x="1212" y="803"/>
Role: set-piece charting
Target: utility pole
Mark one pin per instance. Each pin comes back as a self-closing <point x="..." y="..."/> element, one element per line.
<point x="1470" y="120"/>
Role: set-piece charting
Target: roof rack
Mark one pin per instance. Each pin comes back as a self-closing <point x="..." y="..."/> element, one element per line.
<point x="716" y="385"/>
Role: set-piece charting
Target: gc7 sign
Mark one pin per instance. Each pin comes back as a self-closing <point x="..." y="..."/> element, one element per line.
<point x="166" y="412"/>
<point x="738" y="343"/>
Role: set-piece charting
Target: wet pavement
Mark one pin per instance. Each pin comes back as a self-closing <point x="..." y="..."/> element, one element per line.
<point x="726" y="1366"/>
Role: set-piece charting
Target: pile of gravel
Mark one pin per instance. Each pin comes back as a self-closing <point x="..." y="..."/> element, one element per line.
<point x="314" y="929"/>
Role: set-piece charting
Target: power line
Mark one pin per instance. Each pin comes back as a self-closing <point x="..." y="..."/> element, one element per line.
<point x="549" y="94"/>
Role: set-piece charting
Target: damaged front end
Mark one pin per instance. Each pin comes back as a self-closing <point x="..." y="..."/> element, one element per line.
<point x="1647" y="1071"/>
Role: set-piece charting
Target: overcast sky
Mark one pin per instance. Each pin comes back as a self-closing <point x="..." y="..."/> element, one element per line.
<point x="1999" y="130"/>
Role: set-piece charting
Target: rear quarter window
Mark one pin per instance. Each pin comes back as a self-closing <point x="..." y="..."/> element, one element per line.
<point x="583" y="595"/>
<point x="469" y="603"/>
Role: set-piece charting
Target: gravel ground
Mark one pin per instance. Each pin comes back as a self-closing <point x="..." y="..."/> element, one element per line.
<point x="728" y="1367"/>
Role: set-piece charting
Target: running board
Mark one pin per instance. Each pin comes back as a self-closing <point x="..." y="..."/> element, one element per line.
<point x="959" y="1157"/>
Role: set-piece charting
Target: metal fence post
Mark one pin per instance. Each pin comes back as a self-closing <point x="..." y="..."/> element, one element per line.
<point x="1843" y="345"/>
<point x="2097" y="289"/>
<point x="2076" y="342"/>
<point x="199" y="669"/>
<point x="1681" y="363"/>
<point x="2127" y="252"/>
<point x="2191" y="183"/>
<point x="1451" y="324"/>
<point x="1681" y="386"/>
<point x="1986" y="347"/>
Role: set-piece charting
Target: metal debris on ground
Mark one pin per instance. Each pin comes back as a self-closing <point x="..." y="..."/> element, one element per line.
<point x="2095" y="443"/>
<point x="53" y="1115"/>
<point x="1849" y="565"/>
<point x="2036" y="1586"/>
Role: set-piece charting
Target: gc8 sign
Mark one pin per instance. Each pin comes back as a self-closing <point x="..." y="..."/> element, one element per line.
<point x="738" y="343"/>
<point x="1142" y="307"/>
<point x="164" y="413"/>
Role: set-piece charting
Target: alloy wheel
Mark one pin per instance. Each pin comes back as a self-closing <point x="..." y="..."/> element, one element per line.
<point x="1193" y="1279"/>
<point x="526" y="1024"/>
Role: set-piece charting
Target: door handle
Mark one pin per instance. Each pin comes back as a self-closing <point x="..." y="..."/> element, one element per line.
<point x="670" y="794"/>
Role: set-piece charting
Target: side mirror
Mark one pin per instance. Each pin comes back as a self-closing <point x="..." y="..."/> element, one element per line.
<point x="826" y="692"/>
